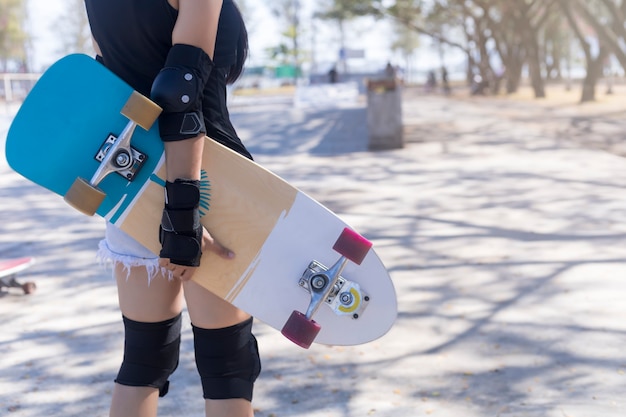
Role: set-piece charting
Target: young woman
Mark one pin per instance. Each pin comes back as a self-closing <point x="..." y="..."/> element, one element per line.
<point x="182" y="54"/>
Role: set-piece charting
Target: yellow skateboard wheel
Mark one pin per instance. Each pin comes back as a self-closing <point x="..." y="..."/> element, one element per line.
<point x="84" y="197"/>
<point x="141" y="110"/>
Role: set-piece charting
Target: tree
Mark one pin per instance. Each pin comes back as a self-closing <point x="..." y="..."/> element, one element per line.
<point x="508" y="30"/>
<point x="342" y="11"/>
<point x="406" y="42"/>
<point x="556" y="46"/>
<point x="599" y="27"/>
<point x="73" y="30"/>
<point x="531" y="34"/>
<point x="607" y="18"/>
<point x="13" y="38"/>
<point x="289" y="12"/>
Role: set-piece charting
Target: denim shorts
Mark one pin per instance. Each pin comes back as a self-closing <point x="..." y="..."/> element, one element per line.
<point x="118" y="247"/>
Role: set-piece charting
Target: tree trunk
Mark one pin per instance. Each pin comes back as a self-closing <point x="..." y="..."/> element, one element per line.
<point x="513" y="74"/>
<point x="534" y="62"/>
<point x="595" y="69"/>
<point x="470" y="68"/>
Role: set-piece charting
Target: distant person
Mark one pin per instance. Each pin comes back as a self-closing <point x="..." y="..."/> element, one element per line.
<point x="333" y="75"/>
<point x="390" y="71"/>
<point x="479" y="85"/>
<point x="445" y="82"/>
<point x="431" y="81"/>
<point x="182" y="54"/>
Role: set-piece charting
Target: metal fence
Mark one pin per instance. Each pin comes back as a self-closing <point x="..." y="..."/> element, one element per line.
<point x="15" y="86"/>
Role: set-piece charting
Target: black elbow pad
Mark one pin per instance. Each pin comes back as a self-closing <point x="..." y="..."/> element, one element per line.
<point x="178" y="89"/>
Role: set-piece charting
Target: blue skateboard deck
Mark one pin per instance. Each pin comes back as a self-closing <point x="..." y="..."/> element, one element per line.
<point x="66" y="123"/>
<point x="282" y="238"/>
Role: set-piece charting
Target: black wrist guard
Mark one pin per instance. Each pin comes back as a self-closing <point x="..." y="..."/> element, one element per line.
<point x="178" y="90"/>
<point x="181" y="232"/>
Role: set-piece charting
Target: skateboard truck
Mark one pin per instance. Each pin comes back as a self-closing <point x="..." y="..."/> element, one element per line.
<point x="115" y="155"/>
<point x="328" y="286"/>
<point x="126" y="162"/>
<point x="344" y="298"/>
<point x="11" y="281"/>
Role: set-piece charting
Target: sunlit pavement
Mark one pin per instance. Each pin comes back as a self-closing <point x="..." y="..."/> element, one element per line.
<point x="504" y="235"/>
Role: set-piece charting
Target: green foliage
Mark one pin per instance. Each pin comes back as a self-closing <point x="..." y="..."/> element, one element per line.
<point x="13" y="38"/>
<point x="342" y="10"/>
<point x="406" y="41"/>
<point x="289" y="12"/>
<point x="72" y="29"/>
<point x="408" y="10"/>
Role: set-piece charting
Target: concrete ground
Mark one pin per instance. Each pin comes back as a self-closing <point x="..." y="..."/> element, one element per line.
<point x="502" y="223"/>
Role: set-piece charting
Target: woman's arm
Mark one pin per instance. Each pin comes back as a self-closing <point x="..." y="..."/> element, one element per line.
<point x="197" y="26"/>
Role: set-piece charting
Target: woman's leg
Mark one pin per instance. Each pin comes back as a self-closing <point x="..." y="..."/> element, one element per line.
<point x="215" y="319"/>
<point x="159" y="301"/>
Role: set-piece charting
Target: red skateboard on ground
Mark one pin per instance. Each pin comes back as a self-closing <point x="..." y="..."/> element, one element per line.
<point x="9" y="269"/>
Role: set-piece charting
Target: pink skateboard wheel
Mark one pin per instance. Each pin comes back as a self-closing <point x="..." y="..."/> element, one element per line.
<point x="352" y="245"/>
<point x="29" y="287"/>
<point x="300" y="330"/>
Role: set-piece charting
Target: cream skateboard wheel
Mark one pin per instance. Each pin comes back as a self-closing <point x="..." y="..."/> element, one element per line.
<point x="84" y="197"/>
<point x="141" y="110"/>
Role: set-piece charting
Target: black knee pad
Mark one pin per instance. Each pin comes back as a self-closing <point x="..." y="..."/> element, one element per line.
<point x="227" y="360"/>
<point x="151" y="353"/>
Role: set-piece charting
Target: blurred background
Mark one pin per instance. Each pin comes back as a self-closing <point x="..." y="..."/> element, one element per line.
<point x="502" y="218"/>
<point x="492" y="46"/>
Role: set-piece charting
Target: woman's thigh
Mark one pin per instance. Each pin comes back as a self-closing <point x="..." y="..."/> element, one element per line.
<point x="147" y="300"/>
<point x="145" y="293"/>
<point x="209" y="311"/>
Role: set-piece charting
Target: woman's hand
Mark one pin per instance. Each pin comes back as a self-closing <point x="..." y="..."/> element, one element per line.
<point x="185" y="273"/>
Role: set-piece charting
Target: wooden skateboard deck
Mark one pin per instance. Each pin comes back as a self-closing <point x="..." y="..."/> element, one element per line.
<point x="66" y="127"/>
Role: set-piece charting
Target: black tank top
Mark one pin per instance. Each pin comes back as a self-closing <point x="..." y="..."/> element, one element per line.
<point x="135" y="36"/>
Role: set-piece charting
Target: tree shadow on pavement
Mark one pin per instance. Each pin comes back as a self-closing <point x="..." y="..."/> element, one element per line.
<point x="505" y="251"/>
<point x="60" y="345"/>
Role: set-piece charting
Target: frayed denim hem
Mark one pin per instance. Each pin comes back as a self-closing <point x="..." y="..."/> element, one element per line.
<point x="107" y="257"/>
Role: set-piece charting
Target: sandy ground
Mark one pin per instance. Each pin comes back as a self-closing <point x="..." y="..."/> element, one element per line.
<point x="502" y="223"/>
